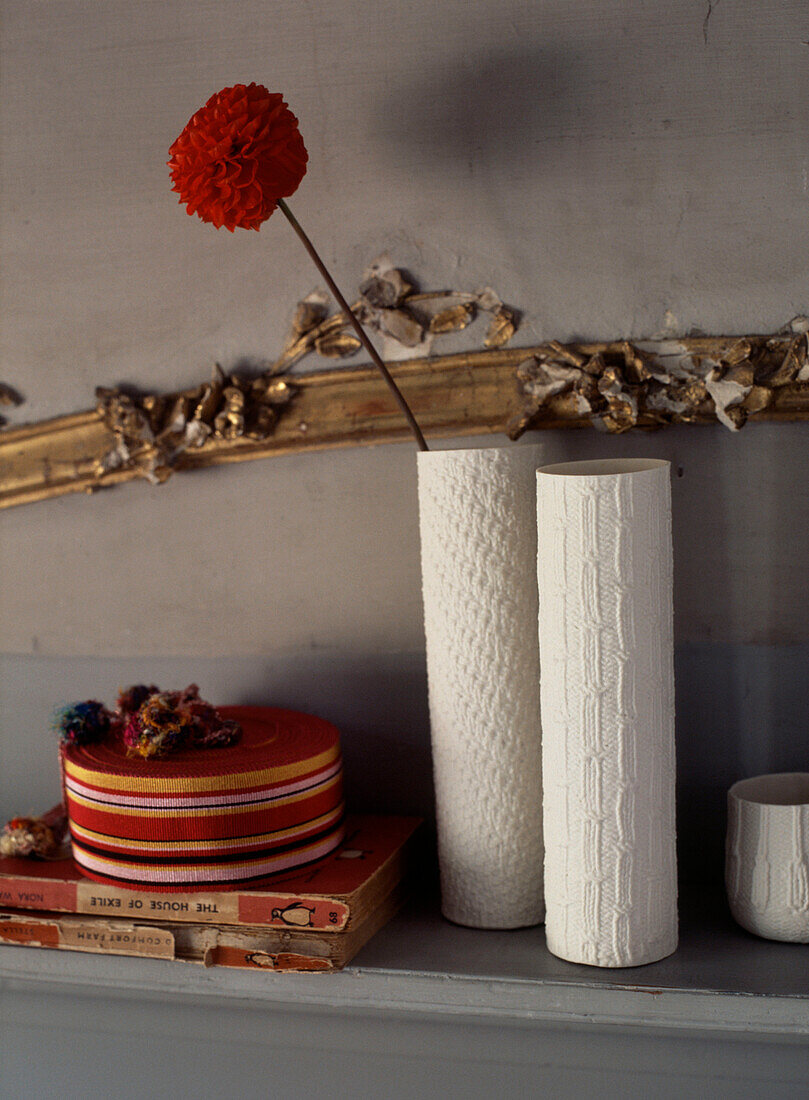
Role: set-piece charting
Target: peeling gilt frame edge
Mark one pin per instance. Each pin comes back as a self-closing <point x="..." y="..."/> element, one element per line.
<point x="476" y="392"/>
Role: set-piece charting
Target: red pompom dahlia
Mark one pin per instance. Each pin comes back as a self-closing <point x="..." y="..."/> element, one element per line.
<point x="237" y="160"/>
<point x="237" y="156"/>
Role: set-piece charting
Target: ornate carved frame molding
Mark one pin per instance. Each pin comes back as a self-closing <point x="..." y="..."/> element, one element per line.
<point x="615" y="385"/>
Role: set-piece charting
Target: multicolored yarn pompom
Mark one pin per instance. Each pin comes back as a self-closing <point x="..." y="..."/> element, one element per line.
<point x="162" y="725"/>
<point x="165" y="721"/>
<point x="226" y="732"/>
<point x="83" y="723"/>
<point x="40" y="837"/>
<point x="209" y="730"/>
<point x="131" y="699"/>
<point x="151" y="722"/>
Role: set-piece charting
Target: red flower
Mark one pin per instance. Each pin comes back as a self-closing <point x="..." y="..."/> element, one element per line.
<point x="237" y="156"/>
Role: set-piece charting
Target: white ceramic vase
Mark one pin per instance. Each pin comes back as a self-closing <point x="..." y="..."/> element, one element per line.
<point x="478" y="552"/>
<point x="767" y="864"/>
<point x="605" y="633"/>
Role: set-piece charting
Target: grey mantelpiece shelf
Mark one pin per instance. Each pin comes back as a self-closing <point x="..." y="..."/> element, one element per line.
<point x="721" y="978"/>
<point x="426" y="1010"/>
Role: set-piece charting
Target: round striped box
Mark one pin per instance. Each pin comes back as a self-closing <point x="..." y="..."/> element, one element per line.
<point x="203" y="817"/>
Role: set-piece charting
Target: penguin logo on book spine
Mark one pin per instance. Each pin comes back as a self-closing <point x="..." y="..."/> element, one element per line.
<point x="260" y="958"/>
<point x="297" y="914"/>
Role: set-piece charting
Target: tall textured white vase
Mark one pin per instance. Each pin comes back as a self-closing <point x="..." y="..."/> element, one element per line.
<point x="606" y="644"/>
<point x="478" y="553"/>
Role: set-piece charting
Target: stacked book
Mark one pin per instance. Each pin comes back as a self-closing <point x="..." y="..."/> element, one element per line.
<point x="315" y="918"/>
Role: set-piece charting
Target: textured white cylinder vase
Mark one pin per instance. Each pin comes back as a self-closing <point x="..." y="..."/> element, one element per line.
<point x="605" y="634"/>
<point x="478" y="553"/>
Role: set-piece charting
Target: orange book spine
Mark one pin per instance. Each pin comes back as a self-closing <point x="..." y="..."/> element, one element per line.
<point x="313" y="912"/>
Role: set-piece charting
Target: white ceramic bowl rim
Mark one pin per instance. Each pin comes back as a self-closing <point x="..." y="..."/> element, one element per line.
<point x="605" y="467"/>
<point x="780" y="789"/>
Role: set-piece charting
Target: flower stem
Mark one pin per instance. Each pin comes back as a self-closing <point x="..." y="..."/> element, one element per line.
<point x="360" y="331"/>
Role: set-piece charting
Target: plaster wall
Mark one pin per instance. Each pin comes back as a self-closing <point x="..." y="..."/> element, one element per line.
<point x="612" y="169"/>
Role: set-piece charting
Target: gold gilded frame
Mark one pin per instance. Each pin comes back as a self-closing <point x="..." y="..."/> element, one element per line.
<point x="506" y="390"/>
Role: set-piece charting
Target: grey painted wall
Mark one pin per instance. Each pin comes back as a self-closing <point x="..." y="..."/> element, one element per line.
<point x="612" y="169"/>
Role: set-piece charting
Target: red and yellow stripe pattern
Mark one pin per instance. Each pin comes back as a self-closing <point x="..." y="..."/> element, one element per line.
<point x="203" y="817"/>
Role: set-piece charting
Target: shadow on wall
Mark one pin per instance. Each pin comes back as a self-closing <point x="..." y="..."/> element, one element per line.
<point x="607" y="139"/>
<point x="379" y="705"/>
<point x="480" y="107"/>
<point x="741" y="711"/>
<point x="593" y="79"/>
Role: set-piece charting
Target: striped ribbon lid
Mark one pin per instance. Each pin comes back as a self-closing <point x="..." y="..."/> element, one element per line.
<point x="223" y="816"/>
